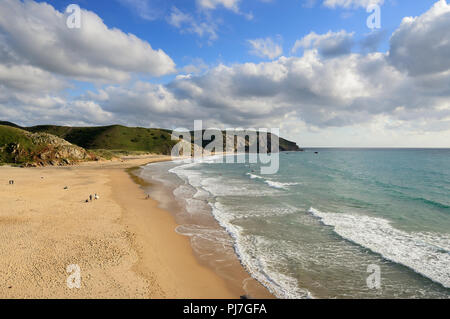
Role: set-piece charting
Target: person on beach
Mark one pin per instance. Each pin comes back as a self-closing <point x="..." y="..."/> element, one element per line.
<point x="90" y="197"/>
<point x="96" y="197"/>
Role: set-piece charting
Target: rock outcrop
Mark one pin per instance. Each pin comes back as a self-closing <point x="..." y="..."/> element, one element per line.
<point x="47" y="150"/>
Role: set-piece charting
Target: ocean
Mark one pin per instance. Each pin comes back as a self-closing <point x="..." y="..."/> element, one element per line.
<point x="318" y="227"/>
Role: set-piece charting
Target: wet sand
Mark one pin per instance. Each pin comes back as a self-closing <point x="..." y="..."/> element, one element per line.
<point x="216" y="249"/>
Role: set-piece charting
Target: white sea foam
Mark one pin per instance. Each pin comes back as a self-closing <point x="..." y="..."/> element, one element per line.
<point x="279" y="185"/>
<point x="192" y="177"/>
<point x="184" y="192"/>
<point x="253" y="176"/>
<point x="271" y="183"/>
<point x="248" y="249"/>
<point x="201" y="234"/>
<point x="224" y="186"/>
<point x="215" y="185"/>
<point x="426" y="253"/>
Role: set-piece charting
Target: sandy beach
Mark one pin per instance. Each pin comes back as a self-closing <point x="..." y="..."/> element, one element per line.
<point x="124" y="244"/>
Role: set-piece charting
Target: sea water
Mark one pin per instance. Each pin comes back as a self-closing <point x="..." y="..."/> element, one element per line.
<point x="317" y="227"/>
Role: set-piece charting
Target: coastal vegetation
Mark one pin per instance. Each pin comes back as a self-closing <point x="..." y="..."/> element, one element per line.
<point x="65" y="145"/>
<point x="21" y="147"/>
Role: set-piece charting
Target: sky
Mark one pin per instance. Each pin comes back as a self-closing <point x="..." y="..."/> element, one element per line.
<point x="322" y="71"/>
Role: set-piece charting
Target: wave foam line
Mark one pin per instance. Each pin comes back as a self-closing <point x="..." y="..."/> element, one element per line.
<point x="426" y="253"/>
<point x="273" y="184"/>
<point x="282" y="286"/>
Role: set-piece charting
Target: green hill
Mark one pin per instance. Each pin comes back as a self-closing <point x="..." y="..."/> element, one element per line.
<point x="122" y="138"/>
<point x="21" y="147"/>
<point x="108" y="140"/>
<point x="113" y="138"/>
<point x="284" y="145"/>
<point x="8" y="136"/>
<point x="5" y="123"/>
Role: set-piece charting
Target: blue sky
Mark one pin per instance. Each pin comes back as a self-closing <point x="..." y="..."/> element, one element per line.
<point x="283" y="20"/>
<point x="311" y="68"/>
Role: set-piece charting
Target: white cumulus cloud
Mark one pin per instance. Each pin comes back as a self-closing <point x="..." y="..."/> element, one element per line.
<point x="37" y="35"/>
<point x="265" y="48"/>
<point x="329" y="44"/>
<point x="421" y="45"/>
<point x="402" y="94"/>
<point x="351" y="3"/>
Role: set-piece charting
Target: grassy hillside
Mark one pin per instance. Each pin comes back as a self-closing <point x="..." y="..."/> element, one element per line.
<point x="284" y="145"/>
<point x="120" y="138"/>
<point x="5" y="123"/>
<point x="108" y="140"/>
<point x="21" y="147"/>
<point x="115" y="138"/>
<point x="10" y="136"/>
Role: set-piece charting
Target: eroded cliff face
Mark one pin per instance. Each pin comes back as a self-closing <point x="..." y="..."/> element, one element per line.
<point x="238" y="143"/>
<point x="38" y="148"/>
<point x="47" y="150"/>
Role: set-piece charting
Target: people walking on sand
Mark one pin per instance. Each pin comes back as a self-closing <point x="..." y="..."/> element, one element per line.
<point x="90" y="197"/>
<point x="96" y="197"/>
<point x="11" y="182"/>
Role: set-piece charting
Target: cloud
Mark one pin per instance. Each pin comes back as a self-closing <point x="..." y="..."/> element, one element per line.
<point x="40" y="58"/>
<point x="313" y="91"/>
<point x="265" y="48"/>
<point x="323" y="93"/>
<point x="203" y="23"/>
<point x="372" y="40"/>
<point x="327" y="89"/>
<point x="232" y="5"/>
<point x="351" y="3"/>
<point x="37" y="35"/>
<point x="26" y="107"/>
<point x="146" y="9"/>
<point x="196" y="66"/>
<point x="330" y="44"/>
<point x="29" y="78"/>
<point x="188" y="24"/>
<point x="421" y="45"/>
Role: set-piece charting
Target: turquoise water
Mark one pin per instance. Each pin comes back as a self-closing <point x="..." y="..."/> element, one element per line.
<point x="314" y="228"/>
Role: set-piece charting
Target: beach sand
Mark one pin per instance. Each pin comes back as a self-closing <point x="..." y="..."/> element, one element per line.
<point x="124" y="244"/>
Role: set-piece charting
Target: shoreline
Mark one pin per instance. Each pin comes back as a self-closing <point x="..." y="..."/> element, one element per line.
<point x="179" y="274"/>
<point x="224" y="263"/>
<point x="123" y="242"/>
